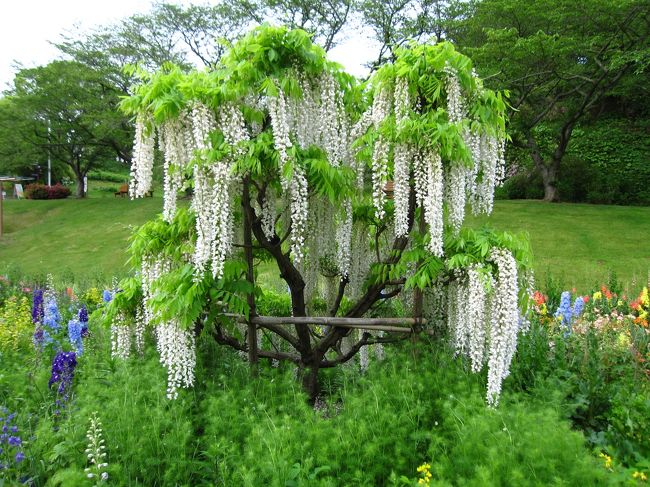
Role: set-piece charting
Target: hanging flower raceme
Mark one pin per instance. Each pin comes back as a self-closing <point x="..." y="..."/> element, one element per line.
<point x="177" y="351"/>
<point x="143" y="155"/>
<point x="483" y="316"/>
<point x="121" y="337"/>
<point x="176" y="156"/>
<point x="504" y="322"/>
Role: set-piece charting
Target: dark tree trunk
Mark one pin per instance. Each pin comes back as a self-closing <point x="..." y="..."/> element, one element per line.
<point x="79" y="192"/>
<point x="549" y="178"/>
<point x="548" y="170"/>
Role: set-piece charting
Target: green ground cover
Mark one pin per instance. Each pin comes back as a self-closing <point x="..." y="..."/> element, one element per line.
<point x="578" y="244"/>
<point x="85" y="238"/>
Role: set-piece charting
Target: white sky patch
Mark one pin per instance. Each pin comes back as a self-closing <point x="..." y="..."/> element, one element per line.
<point x="28" y="26"/>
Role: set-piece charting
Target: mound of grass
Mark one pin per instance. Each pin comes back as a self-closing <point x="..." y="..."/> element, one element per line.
<point x="577" y="244"/>
<point x="84" y="238"/>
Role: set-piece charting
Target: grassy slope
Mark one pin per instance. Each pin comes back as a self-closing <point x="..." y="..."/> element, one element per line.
<point x="84" y="237"/>
<point x="579" y="244"/>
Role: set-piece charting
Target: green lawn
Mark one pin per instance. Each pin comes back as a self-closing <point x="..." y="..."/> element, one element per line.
<point x="85" y="238"/>
<point x="579" y="244"/>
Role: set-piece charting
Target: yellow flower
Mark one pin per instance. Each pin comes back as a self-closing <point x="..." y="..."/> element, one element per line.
<point x="645" y="297"/>
<point x="597" y="295"/>
<point x="424" y="470"/>
<point x="607" y="459"/>
<point x="640" y="476"/>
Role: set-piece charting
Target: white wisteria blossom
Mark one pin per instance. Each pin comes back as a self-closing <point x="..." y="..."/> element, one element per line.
<point x="456" y="195"/>
<point x="344" y="239"/>
<point x="455" y="101"/>
<point x="433" y="201"/>
<point x="121" y="334"/>
<point x="177" y="349"/>
<point x="504" y="325"/>
<point x="175" y="158"/>
<point x="483" y="317"/>
<point x="143" y="155"/>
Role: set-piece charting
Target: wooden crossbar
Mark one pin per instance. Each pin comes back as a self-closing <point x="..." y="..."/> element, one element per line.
<point x="373" y="324"/>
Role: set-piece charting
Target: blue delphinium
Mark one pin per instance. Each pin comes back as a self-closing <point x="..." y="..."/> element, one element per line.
<point x="83" y="319"/>
<point x="63" y="367"/>
<point x="37" y="307"/>
<point x="10" y="442"/>
<point x="75" y="334"/>
<point x="578" y="306"/>
<point x="51" y="316"/>
<point x="564" y="311"/>
<point x="107" y="296"/>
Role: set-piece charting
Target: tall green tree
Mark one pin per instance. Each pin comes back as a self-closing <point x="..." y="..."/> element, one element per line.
<point x="395" y="22"/>
<point x="69" y="111"/>
<point x="560" y="60"/>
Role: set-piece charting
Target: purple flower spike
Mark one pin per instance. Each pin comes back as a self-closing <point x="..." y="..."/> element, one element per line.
<point x="38" y="310"/>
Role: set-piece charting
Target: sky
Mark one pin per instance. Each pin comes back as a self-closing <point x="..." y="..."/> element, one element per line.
<point x="28" y="26"/>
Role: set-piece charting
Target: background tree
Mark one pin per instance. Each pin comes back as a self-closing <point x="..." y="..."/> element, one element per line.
<point x="324" y="20"/>
<point x="395" y="22"/>
<point x="69" y="111"/>
<point x="561" y="61"/>
<point x="275" y="139"/>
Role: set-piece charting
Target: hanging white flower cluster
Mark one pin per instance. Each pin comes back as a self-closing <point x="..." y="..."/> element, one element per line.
<point x="277" y="107"/>
<point x="177" y="349"/>
<point x="381" y="108"/>
<point x="504" y="322"/>
<point x="321" y="246"/>
<point x="176" y="155"/>
<point x="402" y="155"/>
<point x="299" y="192"/>
<point x="456" y="189"/>
<point x="268" y="216"/>
<point x="316" y="118"/>
<point x="121" y="338"/>
<point x="431" y="165"/>
<point x="143" y="150"/>
<point x="140" y="329"/>
<point x="360" y="259"/>
<point x="203" y="123"/>
<point x="150" y="270"/>
<point x="454" y="183"/>
<point x="175" y="345"/>
<point x="455" y="102"/>
<point x="212" y="197"/>
<point x="343" y="239"/>
<point x="483" y="316"/>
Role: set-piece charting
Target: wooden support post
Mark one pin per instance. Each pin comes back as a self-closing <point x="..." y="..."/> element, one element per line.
<point x="250" y="277"/>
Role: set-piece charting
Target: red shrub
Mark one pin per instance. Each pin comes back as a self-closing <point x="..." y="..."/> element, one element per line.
<point x="43" y="192"/>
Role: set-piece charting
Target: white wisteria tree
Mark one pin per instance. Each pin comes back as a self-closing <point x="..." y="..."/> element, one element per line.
<point x="362" y="185"/>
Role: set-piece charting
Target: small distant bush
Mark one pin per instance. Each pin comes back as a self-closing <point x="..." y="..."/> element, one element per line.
<point x="112" y="177"/>
<point x="43" y="192"/>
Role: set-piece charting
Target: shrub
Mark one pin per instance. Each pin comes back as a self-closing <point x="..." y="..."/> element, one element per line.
<point x="15" y="323"/>
<point x="43" y="192"/>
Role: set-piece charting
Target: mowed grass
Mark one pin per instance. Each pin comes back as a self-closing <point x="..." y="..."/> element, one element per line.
<point x="580" y="245"/>
<point x="85" y="238"/>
